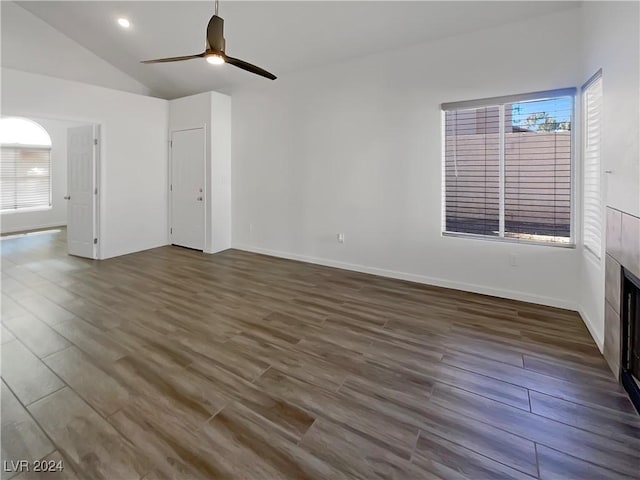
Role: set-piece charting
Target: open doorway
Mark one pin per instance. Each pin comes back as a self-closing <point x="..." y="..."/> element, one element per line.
<point x="49" y="180"/>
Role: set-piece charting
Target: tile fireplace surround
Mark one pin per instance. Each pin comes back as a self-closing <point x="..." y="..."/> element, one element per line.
<point x="623" y="249"/>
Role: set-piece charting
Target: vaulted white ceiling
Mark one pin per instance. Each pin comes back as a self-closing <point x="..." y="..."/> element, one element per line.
<point x="281" y="37"/>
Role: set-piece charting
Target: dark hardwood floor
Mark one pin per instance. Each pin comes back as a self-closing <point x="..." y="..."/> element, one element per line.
<point x="173" y="364"/>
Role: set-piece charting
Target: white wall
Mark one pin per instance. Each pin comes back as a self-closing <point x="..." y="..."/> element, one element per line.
<point x="32" y="45"/>
<point x="356" y="148"/>
<point x="57" y="214"/>
<point x="134" y="159"/>
<point x="611" y="41"/>
<point x="212" y="111"/>
<point x="220" y="173"/>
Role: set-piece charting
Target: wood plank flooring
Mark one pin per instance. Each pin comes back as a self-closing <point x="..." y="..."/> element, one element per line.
<point x="172" y="364"/>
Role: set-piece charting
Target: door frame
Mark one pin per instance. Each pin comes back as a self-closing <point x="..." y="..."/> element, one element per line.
<point x="99" y="123"/>
<point x="205" y="193"/>
<point x="97" y="190"/>
<point x="97" y="187"/>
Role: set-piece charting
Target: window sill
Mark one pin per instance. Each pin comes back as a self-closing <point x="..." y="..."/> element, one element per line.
<point x="569" y="244"/>
<point x="13" y="211"/>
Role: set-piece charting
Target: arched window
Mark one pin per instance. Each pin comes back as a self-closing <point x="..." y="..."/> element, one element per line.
<point x="25" y="165"/>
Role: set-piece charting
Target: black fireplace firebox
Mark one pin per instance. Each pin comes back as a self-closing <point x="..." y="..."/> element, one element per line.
<point x="630" y="364"/>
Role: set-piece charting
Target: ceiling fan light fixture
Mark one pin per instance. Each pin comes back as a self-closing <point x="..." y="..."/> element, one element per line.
<point x="215" y="52"/>
<point x="214" y="59"/>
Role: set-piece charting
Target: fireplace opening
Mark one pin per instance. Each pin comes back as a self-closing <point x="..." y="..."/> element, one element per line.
<point x="630" y="364"/>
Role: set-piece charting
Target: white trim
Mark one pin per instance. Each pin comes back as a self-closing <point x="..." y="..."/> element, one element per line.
<point x="39" y="226"/>
<point x="412" y="277"/>
<point x="14" y="211"/>
<point x="205" y="198"/>
<point x="592" y="330"/>
<point x="521" y="97"/>
<point x="542" y="243"/>
<point x="501" y="170"/>
<point x="127" y="251"/>
<point x="26" y="146"/>
<point x="443" y="171"/>
<point x="576" y="150"/>
<point x="97" y="187"/>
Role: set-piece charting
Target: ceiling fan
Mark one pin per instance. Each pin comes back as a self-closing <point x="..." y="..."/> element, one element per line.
<point x="214" y="51"/>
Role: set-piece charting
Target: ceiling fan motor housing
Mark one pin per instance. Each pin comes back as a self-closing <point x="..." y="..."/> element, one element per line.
<point x="215" y="35"/>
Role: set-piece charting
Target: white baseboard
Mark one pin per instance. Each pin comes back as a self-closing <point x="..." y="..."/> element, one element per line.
<point x="128" y="251"/>
<point x="39" y="226"/>
<point x="438" y="282"/>
<point x="592" y="330"/>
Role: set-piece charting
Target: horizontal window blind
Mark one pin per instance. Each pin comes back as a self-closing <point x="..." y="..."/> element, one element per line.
<point x="472" y="171"/>
<point x="538" y="170"/>
<point x="508" y="169"/>
<point x="592" y="208"/>
<point x="25" y="177"/>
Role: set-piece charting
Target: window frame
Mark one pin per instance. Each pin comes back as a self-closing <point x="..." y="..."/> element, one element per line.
<point x="500" y="102"/>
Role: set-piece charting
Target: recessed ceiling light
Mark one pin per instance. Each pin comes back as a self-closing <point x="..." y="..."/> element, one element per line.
<point x="124" y="23"/>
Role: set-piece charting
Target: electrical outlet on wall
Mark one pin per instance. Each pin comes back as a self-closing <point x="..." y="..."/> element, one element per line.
<point x="340" y="237"/>
<point x="513" y="260"/>
<point x="250" y="229"/>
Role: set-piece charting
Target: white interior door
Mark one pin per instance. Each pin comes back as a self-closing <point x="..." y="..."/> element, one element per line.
<point x="81" y="190"/>
<point x="187" y="188"/>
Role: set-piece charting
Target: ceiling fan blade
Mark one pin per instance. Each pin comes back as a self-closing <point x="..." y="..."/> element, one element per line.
<point x="173" y="59"/>
<point x="215" y="34"/>
<point x="248" y="67"/>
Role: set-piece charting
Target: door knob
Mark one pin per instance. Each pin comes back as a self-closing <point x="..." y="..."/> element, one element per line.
<point x="67" y="197"/>
<point x="199" y="199"/>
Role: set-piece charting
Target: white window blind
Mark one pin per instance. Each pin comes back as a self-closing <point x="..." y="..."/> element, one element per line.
<point x="592" y="204"/>
<point x="472" y="171"/>
<point x="508" y="167"/>
<point x="25" y="177"/>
